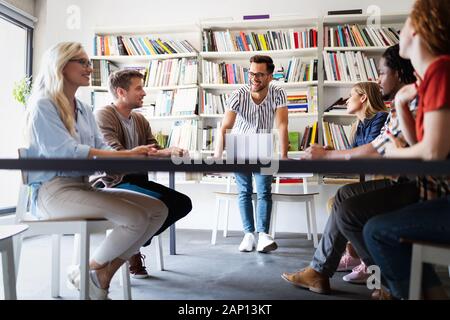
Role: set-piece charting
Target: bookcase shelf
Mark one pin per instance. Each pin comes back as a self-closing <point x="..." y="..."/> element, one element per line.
<point x="344" y="84"/>
<point x="144" y="59"/>
<point x="285" y="85"/>
<point x="151" y="89"/>
<point x="174" y="118"/>
<point x="390" y="18"/>
<point x="366" y="49"/>
<point x="307" y="52"/>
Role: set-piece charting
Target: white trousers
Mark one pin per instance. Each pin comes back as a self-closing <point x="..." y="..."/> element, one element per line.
<point x="136" y="216"/>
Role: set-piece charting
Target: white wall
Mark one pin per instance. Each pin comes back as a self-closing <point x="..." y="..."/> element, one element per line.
<point x="25" y="5"/>
<point x="53" y="27"/>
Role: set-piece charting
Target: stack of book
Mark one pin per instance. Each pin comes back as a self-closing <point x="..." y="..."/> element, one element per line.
<point x="214" y="104"/>
<point x="302" y="101"/>
<point x="310" y="136"/>
<point x="101" y="71"/>
<point x="226" y="41"/>
<point x="349" y="66"/>
<point x="298" y="71"/>
<point x="208" y="138"/>
<point x="223" y="73"/>
<point x="138" y="46"/>
<point x="336" y="136"/>
<point x="176" y="102"/>
<point x="172" y="72"/>
<point x="297" y="102"/>
<point x="359" y="36"/>
<point x="184" y="135"/>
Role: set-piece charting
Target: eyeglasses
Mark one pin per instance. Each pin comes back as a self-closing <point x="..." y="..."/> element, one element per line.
<point x="84" y="62"/>
<point x="257" y="75"/>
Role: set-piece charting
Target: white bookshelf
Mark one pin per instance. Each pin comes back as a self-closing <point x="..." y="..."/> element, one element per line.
<point x="172" y="32"/>
<point x="331" y="90"/>
<point x="298" y="121"/>
<point x="327" y="91"/>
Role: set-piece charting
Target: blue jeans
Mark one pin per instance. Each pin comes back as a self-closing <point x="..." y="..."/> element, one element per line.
<point x="264" y="201"/>
<point x="426" y="221"/>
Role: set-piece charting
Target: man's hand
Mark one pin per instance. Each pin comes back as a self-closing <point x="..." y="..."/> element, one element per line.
<point x="315" y="152"/>
<point x="148" y="150"/>
<point x="168" y="152"/>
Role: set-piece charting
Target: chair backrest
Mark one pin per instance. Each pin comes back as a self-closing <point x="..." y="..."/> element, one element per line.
<point x="24" y="191"/>
<point x="23" y="154"/>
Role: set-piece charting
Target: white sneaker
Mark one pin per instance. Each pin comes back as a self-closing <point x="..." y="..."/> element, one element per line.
<point x="248" y="243"/>
<point x="266" y="243"/>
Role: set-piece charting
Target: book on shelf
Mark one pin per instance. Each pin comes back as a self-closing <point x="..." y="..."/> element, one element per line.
<point x="342" y="12"/>
<point x="172" y="72"/>
<point x="208" y="138"/>
<point x="336" y="136"/>
<point x="101" y="72"/>
<point x="339" y="104"/>
<point x="360" y="36"/>
<point x="185" y="101"/>
<point x="256" y="16"/>
<point x="176" y="102"/>
<point x="213" y="103"/>
<point x="294" y="141"/>
<point x="162" y="139"/>
<point x="184" y="135"/>
<point x="349" y="66"/>
<point x="310" y="136"/>
<point x="105" y="45"/>
<point x="224" y="73"/>
<point x="340" y="179"/>
<point x="237" y="41"/>
<point x="298" y="70"/>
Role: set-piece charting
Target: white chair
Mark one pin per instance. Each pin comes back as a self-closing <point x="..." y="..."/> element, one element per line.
<point x="305" y="197"/>
<point x="423" y="252"/>
<point x="82" y="229"/>
<point x="7" y="233"/>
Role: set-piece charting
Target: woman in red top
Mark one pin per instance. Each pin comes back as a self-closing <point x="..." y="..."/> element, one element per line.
<point x="425" y="40"/>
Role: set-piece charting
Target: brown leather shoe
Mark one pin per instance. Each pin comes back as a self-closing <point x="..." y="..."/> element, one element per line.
<point x="381" y="294"/>
<point x="137" y="266"/>
<point x="309" y="278"/>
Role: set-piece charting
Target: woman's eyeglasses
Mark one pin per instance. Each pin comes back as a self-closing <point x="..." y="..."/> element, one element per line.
<point x="84" y="62"/>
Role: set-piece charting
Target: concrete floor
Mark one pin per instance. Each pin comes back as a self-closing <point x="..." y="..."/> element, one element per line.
<point x="199" y="271"/>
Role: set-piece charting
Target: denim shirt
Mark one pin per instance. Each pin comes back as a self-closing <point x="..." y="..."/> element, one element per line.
<point x="49" y="138"/>
<point x="369" y="129"/>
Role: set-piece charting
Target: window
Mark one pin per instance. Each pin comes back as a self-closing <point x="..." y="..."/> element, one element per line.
<point x="16" y="32"/>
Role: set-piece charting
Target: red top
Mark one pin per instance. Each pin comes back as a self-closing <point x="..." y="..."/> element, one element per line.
<point x="434" y="91"/>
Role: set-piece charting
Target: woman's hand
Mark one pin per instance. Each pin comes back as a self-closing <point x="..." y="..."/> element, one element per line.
<point x="315" y="151"/>
<point x="404" y="97"/>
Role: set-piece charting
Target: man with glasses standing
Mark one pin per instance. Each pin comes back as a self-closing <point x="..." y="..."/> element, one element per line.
<point x="253" y="109"/>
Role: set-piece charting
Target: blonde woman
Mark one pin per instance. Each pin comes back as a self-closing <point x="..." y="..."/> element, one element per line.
<point x="366" y="102"/>
<point x="61" y="126"/>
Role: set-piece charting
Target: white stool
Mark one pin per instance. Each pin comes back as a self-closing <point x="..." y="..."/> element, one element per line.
<point x="8" y="262"/>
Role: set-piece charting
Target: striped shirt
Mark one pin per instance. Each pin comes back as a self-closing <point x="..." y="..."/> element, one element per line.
<point x="252" y="117"/>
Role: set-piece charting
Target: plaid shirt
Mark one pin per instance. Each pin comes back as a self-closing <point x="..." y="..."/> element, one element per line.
<point x="430" y="187"/>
